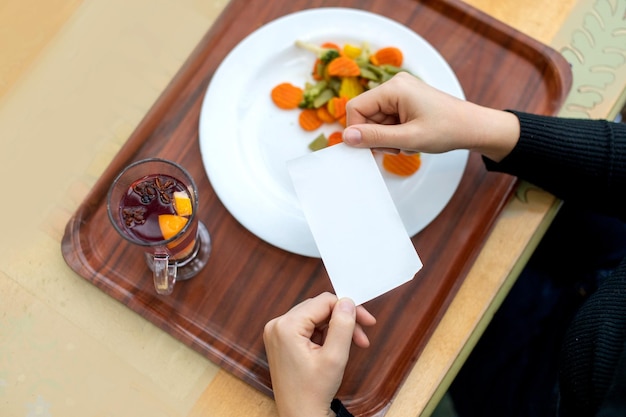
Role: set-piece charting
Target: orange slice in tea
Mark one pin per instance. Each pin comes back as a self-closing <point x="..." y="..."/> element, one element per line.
<point x="171" y="224"/>
<point x="182" y="203"/>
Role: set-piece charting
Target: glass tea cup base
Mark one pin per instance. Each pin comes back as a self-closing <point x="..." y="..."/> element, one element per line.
<point x="192" y="264"/>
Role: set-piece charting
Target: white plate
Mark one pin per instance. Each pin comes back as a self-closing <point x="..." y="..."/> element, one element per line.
<point x="245" y="139"/>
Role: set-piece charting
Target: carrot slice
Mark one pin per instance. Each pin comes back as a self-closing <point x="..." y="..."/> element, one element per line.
<point x="402" y="164"/>
<point x="324" y="115"/>
<point x="287" y="96"/>
<point x="387" y="56"/>
<point x="331" y="45"/>
<point x="343" y="67"/>
<point x="335" y="138"/>
<point x="318" y="72"/>
<point x="337" y="107"/>
<point x="308" y="119"/>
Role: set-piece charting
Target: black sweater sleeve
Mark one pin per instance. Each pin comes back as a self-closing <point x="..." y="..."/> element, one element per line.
<point x="582" y="161"/>
<point x="339" y="409"/>
<point x="592" y="369"/>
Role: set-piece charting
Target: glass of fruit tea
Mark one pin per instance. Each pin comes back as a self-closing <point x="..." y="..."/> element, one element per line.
<point x="153" y="203"/>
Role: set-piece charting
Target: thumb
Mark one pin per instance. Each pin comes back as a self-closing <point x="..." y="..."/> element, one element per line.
<point x="340" y="329"/>
<point x="378" y="136"/>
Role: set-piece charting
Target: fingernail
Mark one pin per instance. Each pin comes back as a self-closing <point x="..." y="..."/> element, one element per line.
<point x="352" y="136"/>
<point x="346" y="305"/>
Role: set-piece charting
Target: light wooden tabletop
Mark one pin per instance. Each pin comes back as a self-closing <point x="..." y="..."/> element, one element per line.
<point x="76" y="77"/>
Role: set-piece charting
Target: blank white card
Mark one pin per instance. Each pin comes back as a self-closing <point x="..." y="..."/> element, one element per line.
<point x="356" y="226"/>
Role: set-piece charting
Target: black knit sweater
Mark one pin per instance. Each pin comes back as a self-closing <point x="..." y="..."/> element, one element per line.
<point x="584" y="162"/>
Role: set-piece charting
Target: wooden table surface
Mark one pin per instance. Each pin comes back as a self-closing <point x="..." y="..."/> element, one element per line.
<point x="76" y="77"/>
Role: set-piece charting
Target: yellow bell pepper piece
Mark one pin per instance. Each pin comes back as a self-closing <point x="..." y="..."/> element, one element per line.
<point x="350" y="87"/>
<point x="351" y="51"/>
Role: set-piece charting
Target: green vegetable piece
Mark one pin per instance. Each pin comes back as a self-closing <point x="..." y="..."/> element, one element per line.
<point x="385" y="76"/>
<point x="323" y="98"/>
<point x="369" y="74"/>
<point x="376" y="70"/>
<point x="363" y="59"/>
<point x="320" y="142"/>
<point x="335" y="84"/>
<point x="311" y="91"/>
<point x="372" y="84"/>
<point x="328" y="56"/>
<point x="392" y="69"/>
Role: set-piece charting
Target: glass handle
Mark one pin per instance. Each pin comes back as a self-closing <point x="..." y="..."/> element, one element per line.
<point x="164" y="274"/>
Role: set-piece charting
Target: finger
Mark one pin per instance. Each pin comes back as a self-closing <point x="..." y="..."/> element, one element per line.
<point x="359" y="337"/>
<point x="392" y="151"/>
<point x="340" y="329"/>
<point x="363" y="108"/>
<point x="377" y="119"/>
<point x="314" y="310"/>
<point x="397" y="136"/>
<point x="363" y="318"/>
<point x="302" y="319"/>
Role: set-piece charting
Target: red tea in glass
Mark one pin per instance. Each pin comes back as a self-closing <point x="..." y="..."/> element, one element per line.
<point x="153" y="203"/>
<point x="156" y="208"/>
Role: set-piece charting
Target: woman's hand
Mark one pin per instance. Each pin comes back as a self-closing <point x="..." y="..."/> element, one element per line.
<point x="406" y="114"/>
<point x="307" y="350"/>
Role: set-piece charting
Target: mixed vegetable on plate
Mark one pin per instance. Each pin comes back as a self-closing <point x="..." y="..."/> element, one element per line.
<point x="339" y="74"/>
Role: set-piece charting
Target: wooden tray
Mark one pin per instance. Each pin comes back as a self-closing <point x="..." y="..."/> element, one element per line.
<point x="221" y="313"/>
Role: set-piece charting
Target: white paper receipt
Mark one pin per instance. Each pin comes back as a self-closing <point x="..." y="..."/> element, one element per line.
<point x="358" y="231"/>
